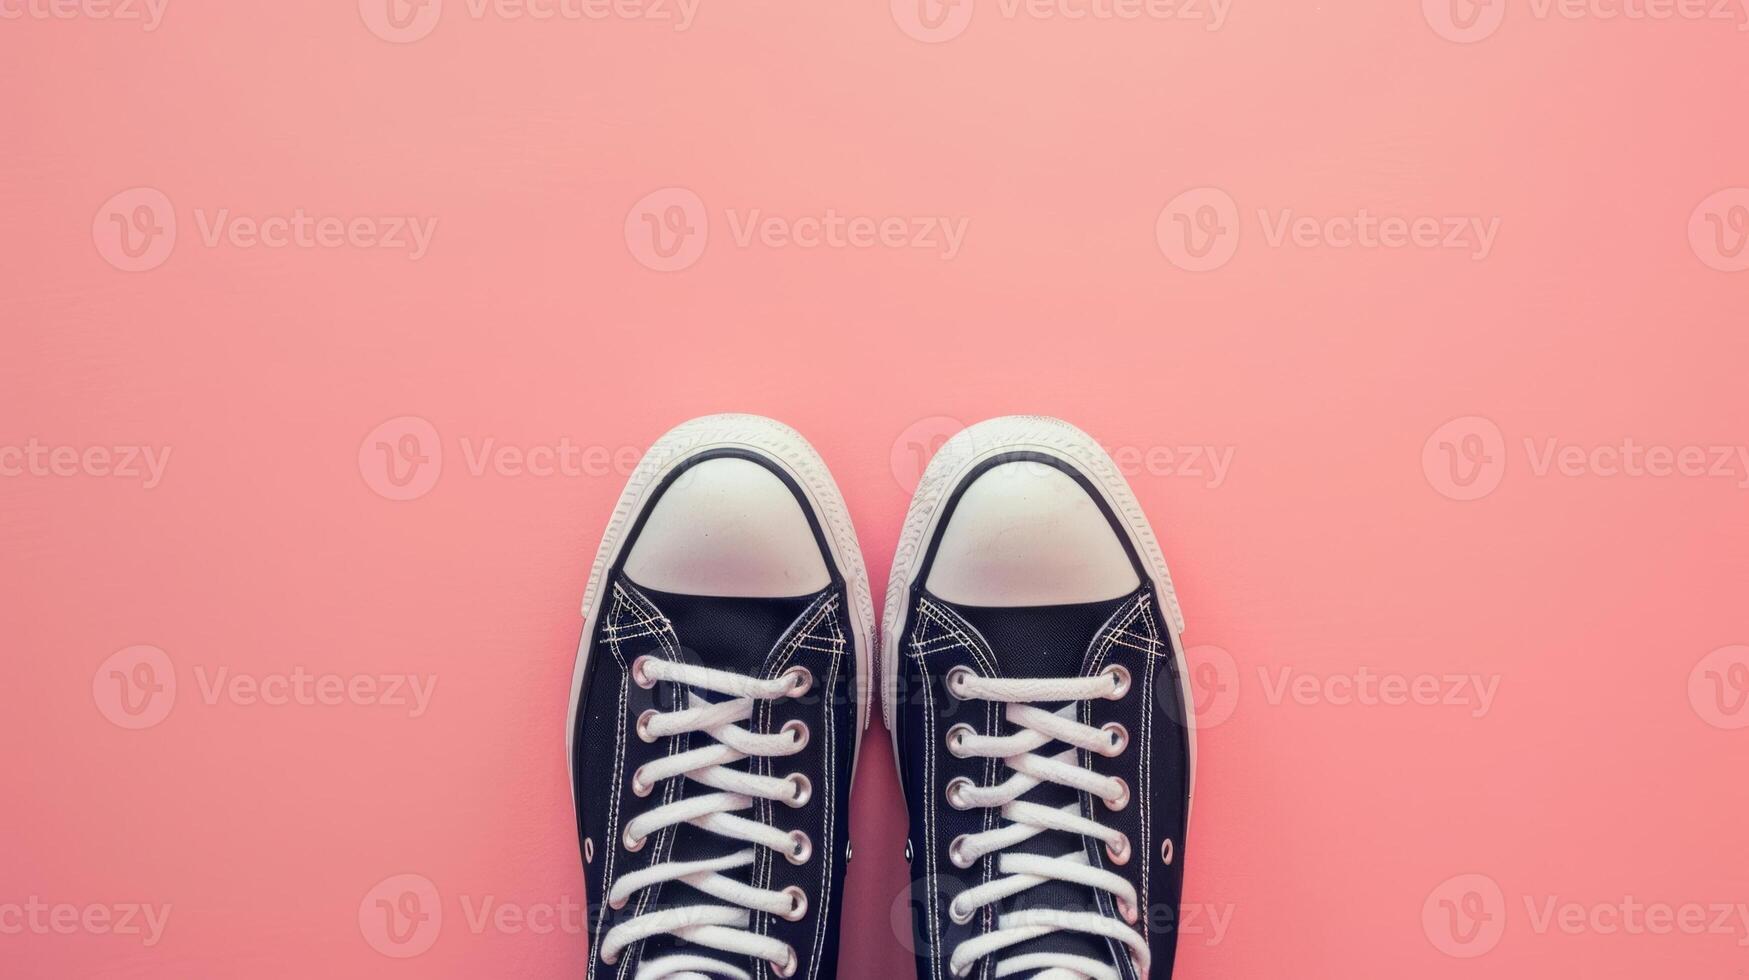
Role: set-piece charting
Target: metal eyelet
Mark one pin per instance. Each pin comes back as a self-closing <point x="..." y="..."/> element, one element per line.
<point x="1119" y="735"/>
<point x="798" y="904"/>
<point x="1119" y="853"/>
<point x="788" y="967"/>
<point x="800" y="848"/>
<point x="640" y="672"/>
<point x="644" y="724"/>
<point x="958" y="916"/>
<point x="956" y="681"/>
<point x="1120" y="681"/>
<point x="955" y="737"/>
<point x="1167" y="851"/>
<point x="956" y="852"/>
<point x="797" y="731"/>
<point x="1126" y="910"/>
<point x="801" y="680"/>
<point x="1123" y="795"/>
<point x="955" y="788"/>
<point x="804" y="790"/>
<point x="639" y="787"/>
<point x="588" y="850"/>
<point x="632" y="843"/>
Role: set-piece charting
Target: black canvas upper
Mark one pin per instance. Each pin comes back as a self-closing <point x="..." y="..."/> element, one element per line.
<point x="1056" y="641"/>
<point x="759" y="637"/>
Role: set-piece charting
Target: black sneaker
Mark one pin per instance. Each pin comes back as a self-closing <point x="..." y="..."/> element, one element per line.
<point x="720" y="690"/>
<point x="1034" y="685"/>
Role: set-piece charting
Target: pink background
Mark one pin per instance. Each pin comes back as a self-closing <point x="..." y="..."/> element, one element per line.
<point x="1334" y="836"/>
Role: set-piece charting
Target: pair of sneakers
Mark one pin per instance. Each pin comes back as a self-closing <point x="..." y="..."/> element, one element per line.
<point x="1030" y="671"/>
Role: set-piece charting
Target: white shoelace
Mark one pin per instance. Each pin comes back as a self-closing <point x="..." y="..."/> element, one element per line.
<point x="722" y="927"/>
<point x="1024" y="820"/>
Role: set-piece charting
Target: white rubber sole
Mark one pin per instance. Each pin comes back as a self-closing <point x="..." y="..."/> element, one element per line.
<point x="780" y="444"/>
<point x="962" y="453"/>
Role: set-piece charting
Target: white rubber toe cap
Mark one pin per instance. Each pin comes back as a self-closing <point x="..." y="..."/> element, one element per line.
<point x="1027" y="534"/>
<point x="728" y="527"/>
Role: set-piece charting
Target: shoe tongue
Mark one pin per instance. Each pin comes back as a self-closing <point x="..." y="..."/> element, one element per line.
<point x="1047" y="641"/>
<point x="728" y="632"/>
<point x="737" y="635"/>
<point x="1040" y="641"/>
